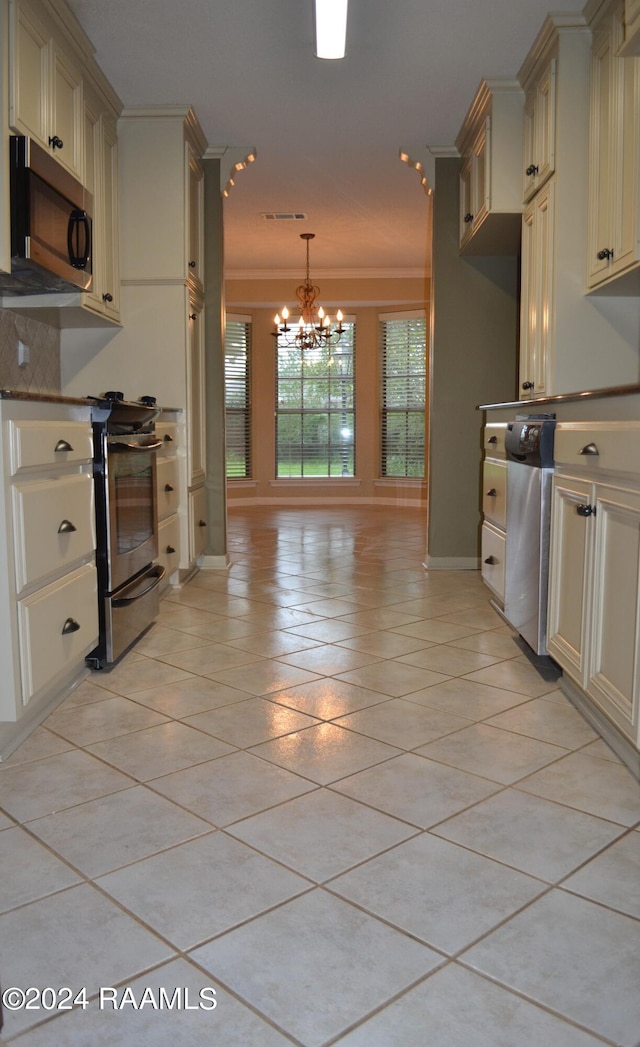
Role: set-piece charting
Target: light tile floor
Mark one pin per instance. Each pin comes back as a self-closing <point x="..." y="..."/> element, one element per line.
<point x="331" y="786"/>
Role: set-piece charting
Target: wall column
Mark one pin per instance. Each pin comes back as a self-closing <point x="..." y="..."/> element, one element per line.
<point x="474" y="345"/>
<point x="215" y="483"/>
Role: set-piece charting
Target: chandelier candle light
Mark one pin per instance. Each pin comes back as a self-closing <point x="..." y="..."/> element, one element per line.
<point x="314" y="329"/>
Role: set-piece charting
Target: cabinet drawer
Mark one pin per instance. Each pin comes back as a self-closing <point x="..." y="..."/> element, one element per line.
<point x="493" y="551"/>
<point x="494" y="434"/>
<point x="494" y="491"/>
<point x="167" y="487"/>
<point x="169" y="545"/>
<point x="601" y="447"/>
<point x="49" y="443"/>
<point x="198" y="521"/>
<point x="54" y="525"/>
<point x="58" y="626"/>
<point x="167" y="432"/>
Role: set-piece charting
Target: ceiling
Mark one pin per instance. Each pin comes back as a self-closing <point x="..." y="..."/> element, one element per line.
<point x="327" y="134"/>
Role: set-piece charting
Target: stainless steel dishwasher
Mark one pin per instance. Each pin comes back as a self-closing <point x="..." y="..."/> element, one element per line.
<point x="529" y="449"/>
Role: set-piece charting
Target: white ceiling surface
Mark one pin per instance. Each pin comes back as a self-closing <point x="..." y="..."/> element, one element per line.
<point x="327" y="133"/>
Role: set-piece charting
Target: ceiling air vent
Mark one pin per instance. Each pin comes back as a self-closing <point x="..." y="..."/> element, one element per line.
<point x="284" y="216"/>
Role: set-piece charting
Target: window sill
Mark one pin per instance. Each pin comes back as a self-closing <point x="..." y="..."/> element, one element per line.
<point x="319" y="481"/>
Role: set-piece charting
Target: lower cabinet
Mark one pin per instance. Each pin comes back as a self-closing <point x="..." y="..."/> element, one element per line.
<point x="48" y="583"/>
<point x="168" y="500"/>
<point x="594" y="593"/>
<point x="198" y="521"/>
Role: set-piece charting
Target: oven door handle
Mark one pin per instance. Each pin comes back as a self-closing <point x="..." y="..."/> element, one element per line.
<point x="119" y="446"/>
<point x="157" y="574"/>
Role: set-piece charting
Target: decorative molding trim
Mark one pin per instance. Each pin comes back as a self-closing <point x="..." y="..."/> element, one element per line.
<point x="452" y="563"/>
<point x="328" y="274"/>
<point x="318" y="500"/>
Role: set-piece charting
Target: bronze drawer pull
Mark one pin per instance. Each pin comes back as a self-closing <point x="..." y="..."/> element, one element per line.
<point x="589" y="449"/>
<point x="70" y="626"/>
<point x="491" y="560"/>
<point x="167" y="439"/>
<point x="169" y="488"/>
<point x="492" y="493"/>
<point x="170" y="549"/>
<point x="66" y="527"/>
<point x="492" y="440"/>
<point x="63" y="445"/>
<point x="202" y="523"/>
<point x="586" y="510"/>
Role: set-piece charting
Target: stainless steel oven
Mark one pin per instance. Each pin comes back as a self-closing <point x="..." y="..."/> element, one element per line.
<point x="125" y="448"/>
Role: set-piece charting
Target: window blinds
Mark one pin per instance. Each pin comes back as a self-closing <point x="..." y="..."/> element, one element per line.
<point x="402" y="394"/>
<point x="237" y="389"/>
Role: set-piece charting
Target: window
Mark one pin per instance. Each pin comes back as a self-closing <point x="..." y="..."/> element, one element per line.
<point x="402" y="393"/>
<point x="315" y="418"/>
<point x="237" y="396"/>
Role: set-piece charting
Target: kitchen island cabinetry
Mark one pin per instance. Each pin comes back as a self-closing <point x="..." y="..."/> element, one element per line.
<point x="490" y="142"/>
<point x="49" y="604"/>
<point x="613" y="241"/>
<point x="594" y="584"/>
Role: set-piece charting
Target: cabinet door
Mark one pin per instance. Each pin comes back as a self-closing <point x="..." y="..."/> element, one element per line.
<point x="110" y="293"/>
<point x="29" y="76"/>
<point x="572" y="535"/>
<point x="197" y="522"/>
<point x="481" y="175"/>
<point x="540" y="132"/>
<point x="196" y="391"/>
<point x="612" y="670"/>
<point x="626" y="153"/>
<point x="466" y="205"/>
<point x="536" y="303"/>
<point x="67" y="115"/>
<point x="601" y="161"/>
<point x="195" y="199"/>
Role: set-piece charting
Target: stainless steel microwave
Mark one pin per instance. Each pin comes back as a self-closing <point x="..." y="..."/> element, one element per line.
<point x="51" y="216"/>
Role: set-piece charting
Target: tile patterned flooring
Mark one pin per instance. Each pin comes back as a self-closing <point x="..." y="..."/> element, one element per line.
<point x="331" y="786"/>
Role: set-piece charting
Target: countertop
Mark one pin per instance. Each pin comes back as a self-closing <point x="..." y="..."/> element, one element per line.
<point x="565" y="398"/>
<point x="58" y="398"/>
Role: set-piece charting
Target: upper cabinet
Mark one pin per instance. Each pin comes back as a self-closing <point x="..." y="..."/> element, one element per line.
<point x="195" y="253"/>
<point x="490" y="143"/>
<point x="539" y="136"/>
<point x="45" y="88"/>
<point x="59" y="97"/>
<point x="613" y="241"/>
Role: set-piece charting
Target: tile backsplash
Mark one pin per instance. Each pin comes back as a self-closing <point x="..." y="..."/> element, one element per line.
<point x="42" y="372"/>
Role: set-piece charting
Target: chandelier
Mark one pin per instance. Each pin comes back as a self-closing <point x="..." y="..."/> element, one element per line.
<point x="314" y="328"/>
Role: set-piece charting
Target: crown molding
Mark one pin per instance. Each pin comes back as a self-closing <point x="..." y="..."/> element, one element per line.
<point x="327" y="274"/>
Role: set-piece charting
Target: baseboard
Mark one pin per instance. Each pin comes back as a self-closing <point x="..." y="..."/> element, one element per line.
<point x="610" y="734"/>
<point x="214" y="563"/>
<point x="452" y="563"/>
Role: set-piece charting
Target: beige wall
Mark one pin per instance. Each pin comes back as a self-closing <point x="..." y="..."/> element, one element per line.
<point x="260" y="299"/>
<point x="474" y="357"/>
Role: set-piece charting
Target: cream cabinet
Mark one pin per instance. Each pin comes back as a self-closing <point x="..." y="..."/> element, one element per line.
<point x="569" y="342"/>
<point x="195" y="253"/>
<point x="168" y="499"/>
<point x="613" y="242"/>
<point x="537" y="293"/>
<point x="539" y="135"/>
<point x="494" y="509"/>
<point x="490" y="143"/>
<point x="594" y="584"/>
<point x="101" y="179"/>
<point x="198" y="522"/>
<point x="45" y="87"/>
<point x="48" y="584"/>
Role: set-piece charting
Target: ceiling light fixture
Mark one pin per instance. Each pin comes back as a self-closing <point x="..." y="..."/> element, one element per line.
<point x="331" y="28"/>
<point x="313" y="329"/>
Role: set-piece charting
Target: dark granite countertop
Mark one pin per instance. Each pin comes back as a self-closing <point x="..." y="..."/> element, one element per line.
<point x="565" y="398"/>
